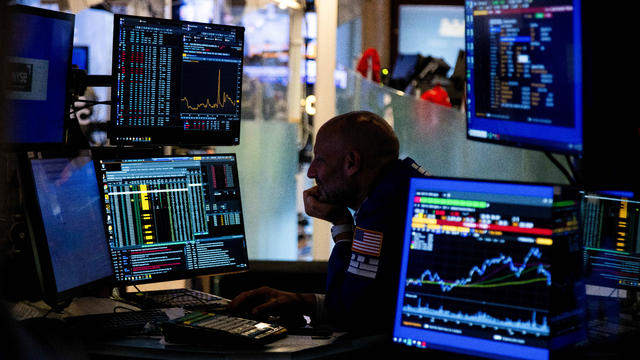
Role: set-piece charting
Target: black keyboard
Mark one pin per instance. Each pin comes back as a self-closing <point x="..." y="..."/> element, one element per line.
<point x="118" y="324"/>
<point x="185" y="298"/>
<point x="217" y="329"/>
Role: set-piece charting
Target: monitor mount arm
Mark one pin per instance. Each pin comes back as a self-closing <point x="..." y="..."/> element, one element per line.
<point x="80" y="81"/>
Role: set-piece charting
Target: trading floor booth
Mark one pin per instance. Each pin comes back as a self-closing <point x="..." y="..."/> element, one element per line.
<point x="491" y="267"/>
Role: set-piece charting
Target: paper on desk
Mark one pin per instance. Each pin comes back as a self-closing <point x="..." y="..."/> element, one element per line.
<point x="173" y="313"/>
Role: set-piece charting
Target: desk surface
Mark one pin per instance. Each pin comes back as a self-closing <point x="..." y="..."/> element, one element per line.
<point x="336" y="346"/>
<point x="624" y="333"/>
<point x="290" y="347"/>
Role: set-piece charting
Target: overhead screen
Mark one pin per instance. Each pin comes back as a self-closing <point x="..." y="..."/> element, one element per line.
<point x="38" y="63"/>
<point x="175" y="82"/>
<point x="524" y="74"/>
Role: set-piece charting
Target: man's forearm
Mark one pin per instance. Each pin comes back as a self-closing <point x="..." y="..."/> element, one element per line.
<point x="308" y="302"/>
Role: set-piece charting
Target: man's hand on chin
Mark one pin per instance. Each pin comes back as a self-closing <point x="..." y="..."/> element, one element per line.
<point x="316" y="207"/>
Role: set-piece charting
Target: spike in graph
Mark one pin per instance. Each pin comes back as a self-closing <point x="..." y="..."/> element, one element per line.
<point x="221" y="100"/>
<point x="428" y="277"/>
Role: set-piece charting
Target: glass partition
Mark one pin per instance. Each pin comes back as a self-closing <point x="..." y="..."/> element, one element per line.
<point x="267" y="167"/>
<point x="435" y="136"/>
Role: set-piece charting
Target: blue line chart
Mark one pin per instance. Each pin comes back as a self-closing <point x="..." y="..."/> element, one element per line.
<point x="481" y="273"/>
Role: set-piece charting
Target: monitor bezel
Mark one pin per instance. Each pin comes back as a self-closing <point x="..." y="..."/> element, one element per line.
<point x="535" y="143"/>
<point x="178" y="275"/>
<point x="183" y="138"/>
<point x="36" y="226"/>
<point x="66" y="119"/>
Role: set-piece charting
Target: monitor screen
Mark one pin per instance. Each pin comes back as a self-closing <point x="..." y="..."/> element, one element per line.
<point x="80" y="57"/>
<point x="64" y="210"/>
<point x="524" y="74"/>
<point x="38" y="63"/>
<point x="404" y="68"/>
<point x="611" y="239"/>
<point x="175" y="82"/>
<point x="488" y="267"/>
<point x="173" y="218"/>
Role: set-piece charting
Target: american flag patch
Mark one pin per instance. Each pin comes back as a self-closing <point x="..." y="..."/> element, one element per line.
<point x="367" y="242"/>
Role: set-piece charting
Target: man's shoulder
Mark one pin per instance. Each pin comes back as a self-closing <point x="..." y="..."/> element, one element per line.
<point x="401" y="171"/>
<point x="389" y="195"/>
<point x="417" y="169"/>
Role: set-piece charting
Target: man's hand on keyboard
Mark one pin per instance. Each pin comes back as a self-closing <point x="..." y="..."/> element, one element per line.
<point x="264" y="302"/>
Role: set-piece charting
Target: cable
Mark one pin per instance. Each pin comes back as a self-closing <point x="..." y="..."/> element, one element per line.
<point x="575" y="170"/>
<point x="74" y="111"/>
<point x="569" y="161"/>
<point x="564" y="171"/>
<point x="94" y="102"/>
<point x="47" y="313"/>
<point x="89" y="104"/>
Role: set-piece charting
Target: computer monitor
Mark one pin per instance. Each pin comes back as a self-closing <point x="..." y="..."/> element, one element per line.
<point x="171" y="218"/>
<point x="611" y="221"/>
<point x="490" y="269"/>
<point x="524" y="74"/>
<point x="38" y="62"/>
<point x="80" y="57"/>
<point x="404" y="69"/>
<point x="175" y="82"/>
<point x="64" y="213"/>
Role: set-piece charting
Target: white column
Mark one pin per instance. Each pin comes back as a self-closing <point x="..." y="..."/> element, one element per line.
<point x="167" y="9"/>
<point x="325" y="91"/>
<point x="294" y="88"/>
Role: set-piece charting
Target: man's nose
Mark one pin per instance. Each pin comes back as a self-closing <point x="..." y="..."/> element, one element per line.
<point x="311" y="172"/>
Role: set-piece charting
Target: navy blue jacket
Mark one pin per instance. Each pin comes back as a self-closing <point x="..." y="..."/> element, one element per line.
<point x="362" y="274"/>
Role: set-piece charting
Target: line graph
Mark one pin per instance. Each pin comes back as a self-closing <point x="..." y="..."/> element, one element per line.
<point x="220" y="102"/>
<point x="529" y="325"/>
<point x="484" y="277"/>
<point x="209" y="88"/>
<point x="479" y="287"/>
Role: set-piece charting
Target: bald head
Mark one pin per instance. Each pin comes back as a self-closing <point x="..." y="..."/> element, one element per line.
<point x="365" y="132"/>
<point x="351" y="150"/>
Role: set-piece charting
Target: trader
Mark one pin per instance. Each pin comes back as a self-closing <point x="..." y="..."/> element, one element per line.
<point x="357" y="171"/>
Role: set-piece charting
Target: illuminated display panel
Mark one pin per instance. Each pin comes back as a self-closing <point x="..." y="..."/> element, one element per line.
<point x="479" y="265"/>
<point x="172" y="218"/>
<point x="38" y="62"/>
<point x="611" y="239"/>
<point x="64" y="214"/>
<point x="176" y="82"/>
<point x="524" y="74"/>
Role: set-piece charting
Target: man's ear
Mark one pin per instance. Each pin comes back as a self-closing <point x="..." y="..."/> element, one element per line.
<point x="352" y="163"/>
